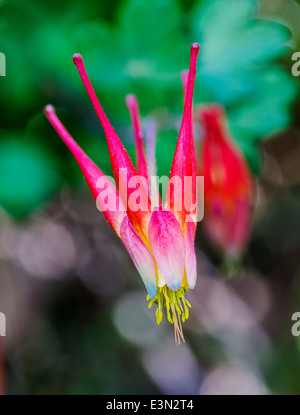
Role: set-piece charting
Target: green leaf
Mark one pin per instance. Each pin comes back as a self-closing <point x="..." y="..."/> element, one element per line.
<point x="233" y="45"/>
<point x="237" y="68"/>
<point x="143" y="53"/>
<point x="268" y="110"/>
<point x="148" y="24"/>
<point x="27" y="176"/>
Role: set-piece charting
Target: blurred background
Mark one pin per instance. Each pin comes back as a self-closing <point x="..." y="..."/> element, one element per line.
<point x="77" y="317"/>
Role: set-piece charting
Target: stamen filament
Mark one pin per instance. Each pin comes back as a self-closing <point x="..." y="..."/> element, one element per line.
<point x="176" y="306"/>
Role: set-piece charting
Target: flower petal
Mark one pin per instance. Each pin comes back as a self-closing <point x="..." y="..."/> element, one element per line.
<point x="168" y="247"/>
<point x="133" y="108"/>
<point x="185" y="79"/>
<point x="119" y="158"/>
<point x="140" y="255"/>
<point x="113" y="213"/>
<point x="182" y="166"/>
<point x="190" y="256"/>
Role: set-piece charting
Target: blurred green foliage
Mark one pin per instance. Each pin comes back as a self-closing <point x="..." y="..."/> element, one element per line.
<point x="27" y="175"/>
<point x="139" y="47"/>
<point x="238" y="68"/>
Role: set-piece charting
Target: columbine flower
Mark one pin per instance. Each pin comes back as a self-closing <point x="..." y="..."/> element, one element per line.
<point x="228" y="190"/>
<point x="159" y="239"/>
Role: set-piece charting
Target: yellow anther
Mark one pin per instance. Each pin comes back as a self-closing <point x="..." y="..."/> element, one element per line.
<point x="176" y="305"/>
<point x="159" y="318"/>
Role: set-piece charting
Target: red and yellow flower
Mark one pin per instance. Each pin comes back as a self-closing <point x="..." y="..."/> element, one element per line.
<point x="159" y="238"/>
<point x="228" y="190"/>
